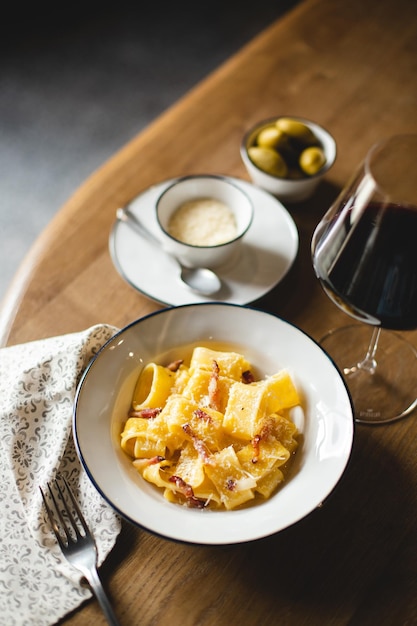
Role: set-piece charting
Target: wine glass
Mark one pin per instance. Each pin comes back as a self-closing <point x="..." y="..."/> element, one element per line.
<point x="364" y="253"/>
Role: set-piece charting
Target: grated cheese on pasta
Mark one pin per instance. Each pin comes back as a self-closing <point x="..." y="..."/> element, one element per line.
<point x="219" y="454"/>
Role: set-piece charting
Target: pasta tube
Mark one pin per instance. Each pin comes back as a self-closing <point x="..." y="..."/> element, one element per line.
<point x="153" y="387"/>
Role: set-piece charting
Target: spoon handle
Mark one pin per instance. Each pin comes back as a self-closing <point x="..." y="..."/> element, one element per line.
<point x="125" y="215"/>
<point x="200" y="280"/>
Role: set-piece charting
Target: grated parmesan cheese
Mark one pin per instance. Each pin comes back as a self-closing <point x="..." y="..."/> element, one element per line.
<point x="203" y="222"/>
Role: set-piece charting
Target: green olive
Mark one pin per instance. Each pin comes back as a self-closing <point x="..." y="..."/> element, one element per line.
<point x="269" y="137"/>
<point x="268" y="160"/>
<point x="312" y="160"/>
<point x="296" y="130"/>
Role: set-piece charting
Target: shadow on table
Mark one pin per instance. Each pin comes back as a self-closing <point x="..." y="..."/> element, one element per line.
<point x="298" y="288"/>
<point x="358" y="544"/>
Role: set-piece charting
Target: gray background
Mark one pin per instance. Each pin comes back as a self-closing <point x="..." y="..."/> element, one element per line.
<point x="77" y="83"/>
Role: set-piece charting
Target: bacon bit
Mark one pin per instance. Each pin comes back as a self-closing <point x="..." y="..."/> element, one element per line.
<point x="202" y="415"/>
<point x="142" y="463"/>
<point x="188" y="430"/>
<point x="231" y="484"/>
<point x="175" y="365"/>
<point x="187" y="491"/>
<point x="213" y="387"/>
<point x="184" y="488"/>
<point x="265" y="431"/>
<point x="247" y="377"/>
<point x="156" y="459"/>
<point x="145" y="413"/>
<point x="199" y="445"/>
<point x="255" y="444"/>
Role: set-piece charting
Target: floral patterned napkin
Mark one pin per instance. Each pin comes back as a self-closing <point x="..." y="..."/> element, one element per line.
<point x="38" y="381"/>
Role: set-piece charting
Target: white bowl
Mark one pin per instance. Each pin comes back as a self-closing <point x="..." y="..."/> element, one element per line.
<point x="204" y="186"/>
<point x="104" y="395"/>
<point x="287" y="189"/>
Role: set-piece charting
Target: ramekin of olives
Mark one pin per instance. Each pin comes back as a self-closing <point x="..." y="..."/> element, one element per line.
<point x="288" y="156"/>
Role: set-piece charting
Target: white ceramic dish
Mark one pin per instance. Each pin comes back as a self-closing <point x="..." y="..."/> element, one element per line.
<point x="104" y="395"/>
<point x="191" y="187"/>
<point x="265" y="255"/>
<point x="286" y="189"/>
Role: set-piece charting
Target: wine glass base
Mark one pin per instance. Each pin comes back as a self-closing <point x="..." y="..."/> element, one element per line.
<point x="386" y="393"/>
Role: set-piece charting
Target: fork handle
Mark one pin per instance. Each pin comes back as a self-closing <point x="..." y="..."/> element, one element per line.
<point x="98" y="589"/>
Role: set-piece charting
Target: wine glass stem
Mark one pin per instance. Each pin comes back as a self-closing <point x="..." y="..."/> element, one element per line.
<point x="369" y="362"/>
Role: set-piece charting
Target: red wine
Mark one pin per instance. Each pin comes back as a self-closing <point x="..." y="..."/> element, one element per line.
<point x="367" y="263"/>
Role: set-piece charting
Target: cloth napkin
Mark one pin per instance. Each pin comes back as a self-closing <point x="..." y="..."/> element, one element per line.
<point x="38" y="381"/>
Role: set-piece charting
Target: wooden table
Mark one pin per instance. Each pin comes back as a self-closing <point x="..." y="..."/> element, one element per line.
<point x="352" y="67"/>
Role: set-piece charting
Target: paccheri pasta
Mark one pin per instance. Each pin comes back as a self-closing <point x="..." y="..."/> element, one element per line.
<point x="208" y="433"/>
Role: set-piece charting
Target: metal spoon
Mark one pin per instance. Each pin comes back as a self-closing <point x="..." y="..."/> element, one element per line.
<point x="198" y="279"/>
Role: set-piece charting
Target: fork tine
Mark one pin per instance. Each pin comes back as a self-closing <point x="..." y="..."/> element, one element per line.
<point x="64" y="513"/>
<point x="51" y="517"/>
<point x="68" y="511"/>
<point x="76" y="508"/>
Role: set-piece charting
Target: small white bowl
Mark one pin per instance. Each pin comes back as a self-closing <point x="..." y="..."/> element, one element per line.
<point x="196" y="187"/>
<point x="288" y="189"/>
<point x="105" y="393"/>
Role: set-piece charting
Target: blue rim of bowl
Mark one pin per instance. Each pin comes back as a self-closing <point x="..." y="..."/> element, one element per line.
<point x="184" y="306"/>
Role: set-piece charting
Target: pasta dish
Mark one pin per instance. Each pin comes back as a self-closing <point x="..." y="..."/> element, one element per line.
<point x="208" y="433"/>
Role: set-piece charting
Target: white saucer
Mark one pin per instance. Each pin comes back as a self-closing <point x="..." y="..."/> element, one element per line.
<point x="265" y="256"/>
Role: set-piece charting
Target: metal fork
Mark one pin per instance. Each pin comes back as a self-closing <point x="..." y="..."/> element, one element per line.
<point x="78" y="547"/>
